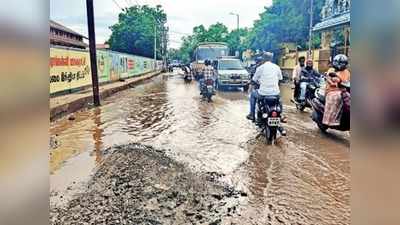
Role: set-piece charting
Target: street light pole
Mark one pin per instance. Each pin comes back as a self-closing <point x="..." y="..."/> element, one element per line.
<point x="92" y="49"/>
<point x="238" y="27"/>
<point x="311" y="28"/>
<point x="238" y="19"/>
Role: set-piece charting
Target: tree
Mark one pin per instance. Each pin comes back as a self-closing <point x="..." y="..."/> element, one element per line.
<point x="285" y="21"/>
<point x="134" y="32"/>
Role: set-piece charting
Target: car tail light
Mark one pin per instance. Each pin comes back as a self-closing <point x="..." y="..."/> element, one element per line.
<point x="274" y="114"/>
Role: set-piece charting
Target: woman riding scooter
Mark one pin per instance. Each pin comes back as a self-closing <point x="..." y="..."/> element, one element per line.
<point x="333" y="102"/>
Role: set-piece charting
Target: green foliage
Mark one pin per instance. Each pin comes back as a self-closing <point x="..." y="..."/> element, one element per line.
<point x="134" y="32"/>
<point x="285" y="21"/>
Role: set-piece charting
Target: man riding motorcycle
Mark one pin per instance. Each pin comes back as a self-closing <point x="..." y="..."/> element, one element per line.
<point x="296" y="76"/>
<point x="267" y="76"/>
<point x="334" y="102"/>
<point x="307" y="75"/>
<point x="208" y="73"/>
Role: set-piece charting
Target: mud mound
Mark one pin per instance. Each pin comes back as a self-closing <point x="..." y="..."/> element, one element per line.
<point x="140" y="185"/>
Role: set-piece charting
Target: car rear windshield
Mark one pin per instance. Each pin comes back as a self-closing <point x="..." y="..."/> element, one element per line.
<point x="230" y="65"/>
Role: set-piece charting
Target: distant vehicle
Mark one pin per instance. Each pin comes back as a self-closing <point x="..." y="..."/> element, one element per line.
<point x="231" y="73"/>
<point x="208" y="50"/>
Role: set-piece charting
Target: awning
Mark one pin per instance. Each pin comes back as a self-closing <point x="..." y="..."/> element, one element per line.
<point x="330" y="23"/>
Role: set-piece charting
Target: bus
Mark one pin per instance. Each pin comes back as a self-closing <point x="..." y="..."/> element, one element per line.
<point x="208" y="50"/>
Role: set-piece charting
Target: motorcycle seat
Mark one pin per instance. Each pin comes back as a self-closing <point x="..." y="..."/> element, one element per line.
<point x="269" y="101"/>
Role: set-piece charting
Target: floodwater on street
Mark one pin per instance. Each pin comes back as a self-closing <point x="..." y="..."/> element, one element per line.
<point x="303" y="179"/>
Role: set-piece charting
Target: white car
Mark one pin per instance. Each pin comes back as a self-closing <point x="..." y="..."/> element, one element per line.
<point x="231" y="73"/>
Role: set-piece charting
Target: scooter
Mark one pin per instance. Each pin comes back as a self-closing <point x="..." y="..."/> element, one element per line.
<point x="318" y="105"/>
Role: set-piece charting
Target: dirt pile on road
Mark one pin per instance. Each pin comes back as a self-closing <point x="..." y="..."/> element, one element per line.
<point x="140" y="185"/>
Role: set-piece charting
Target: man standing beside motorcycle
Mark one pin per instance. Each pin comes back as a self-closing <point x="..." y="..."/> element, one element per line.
<point x="296" y="76"/>
<point x="333" y="102"/>
<point x="267" y="77"/>
<point x="307" y="75"/>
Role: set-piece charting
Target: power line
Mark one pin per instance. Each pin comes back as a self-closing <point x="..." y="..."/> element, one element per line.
<point x="176" y="32"/>
<point x="175" y="41"/>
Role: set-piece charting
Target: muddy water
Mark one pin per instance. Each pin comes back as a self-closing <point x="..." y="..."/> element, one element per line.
<point x="304" y="179"/>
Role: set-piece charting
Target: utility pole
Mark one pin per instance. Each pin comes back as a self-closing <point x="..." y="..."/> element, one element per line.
<point x="238" y="27"/>
<point x="163" y="45"/>
<point x="238" y="22"/>
<point x="311" y="28"/>
<point x="92" y="49"/>
<point x="155" y="45"/>
<point x="237" y="19"/>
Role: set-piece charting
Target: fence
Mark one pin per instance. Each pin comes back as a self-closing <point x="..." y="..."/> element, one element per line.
<point x="70" y="68"/>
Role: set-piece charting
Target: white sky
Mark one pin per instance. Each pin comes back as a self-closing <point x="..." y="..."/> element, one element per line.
<point x="183" y="15"/>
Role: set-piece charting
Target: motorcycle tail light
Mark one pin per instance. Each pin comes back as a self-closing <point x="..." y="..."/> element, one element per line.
<point x="274" y="114"/>
<point x="209" y="82"/>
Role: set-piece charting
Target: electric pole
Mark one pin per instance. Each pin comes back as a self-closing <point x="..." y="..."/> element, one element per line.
<point x="311" y="28"/>
<point x="92" y="49"/>
<point x="237" y="28"/>
<point x="155" y="45"/>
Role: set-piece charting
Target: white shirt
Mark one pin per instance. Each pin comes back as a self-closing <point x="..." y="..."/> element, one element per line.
<point x="296" y="72"/>
<point x="268" y="76"/>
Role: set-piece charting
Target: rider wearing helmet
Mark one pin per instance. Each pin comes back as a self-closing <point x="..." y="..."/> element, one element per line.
<point x="339" y="73"/>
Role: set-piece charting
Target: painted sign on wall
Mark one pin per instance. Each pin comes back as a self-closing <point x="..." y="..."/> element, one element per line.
<point x="70" y="69"/>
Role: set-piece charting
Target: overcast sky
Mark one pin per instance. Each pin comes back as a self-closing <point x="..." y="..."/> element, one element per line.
<point x="183" y="15"/>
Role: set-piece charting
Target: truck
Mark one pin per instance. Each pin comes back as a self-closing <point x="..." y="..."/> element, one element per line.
<point x="207" y="50"/>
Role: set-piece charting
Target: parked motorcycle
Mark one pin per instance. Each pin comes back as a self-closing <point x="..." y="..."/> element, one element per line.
<point x="268" y="117"/>
<point x="318" y="105"/>
<point x="208" y="89"/>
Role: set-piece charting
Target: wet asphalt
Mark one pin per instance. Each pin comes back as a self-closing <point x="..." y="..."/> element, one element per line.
<point x="303" y="179"/>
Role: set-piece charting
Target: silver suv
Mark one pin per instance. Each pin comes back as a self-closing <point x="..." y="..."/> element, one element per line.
<point x="231" y="73"/>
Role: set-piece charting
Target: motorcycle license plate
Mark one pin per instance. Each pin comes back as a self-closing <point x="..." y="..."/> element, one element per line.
<point x="274" y="122"/>
<point x="210" y="88"/>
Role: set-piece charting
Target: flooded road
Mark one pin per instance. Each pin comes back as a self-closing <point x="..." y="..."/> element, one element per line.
<point x="304" y="179"/>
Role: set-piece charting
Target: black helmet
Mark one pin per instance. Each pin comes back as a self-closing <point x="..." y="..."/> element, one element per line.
<point x="340" y="62"/>
<point x="207" y="62"/>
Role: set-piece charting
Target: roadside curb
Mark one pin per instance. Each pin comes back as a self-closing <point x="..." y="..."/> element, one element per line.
<point x="85" y="99"/>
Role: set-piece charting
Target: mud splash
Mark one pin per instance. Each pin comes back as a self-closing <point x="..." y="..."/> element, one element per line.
<point x="140" y="185"/>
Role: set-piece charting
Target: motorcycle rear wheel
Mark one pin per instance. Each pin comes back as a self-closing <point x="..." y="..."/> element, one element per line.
<point x="270" y="135"/>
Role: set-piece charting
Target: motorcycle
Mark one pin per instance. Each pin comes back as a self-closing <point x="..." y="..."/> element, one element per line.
<point x="208" y="89"/>
<point x="318" y="105"/>
<point x="268" y="117"/>
<point x="187" y="78"/>
<point x="312" y="86"/>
